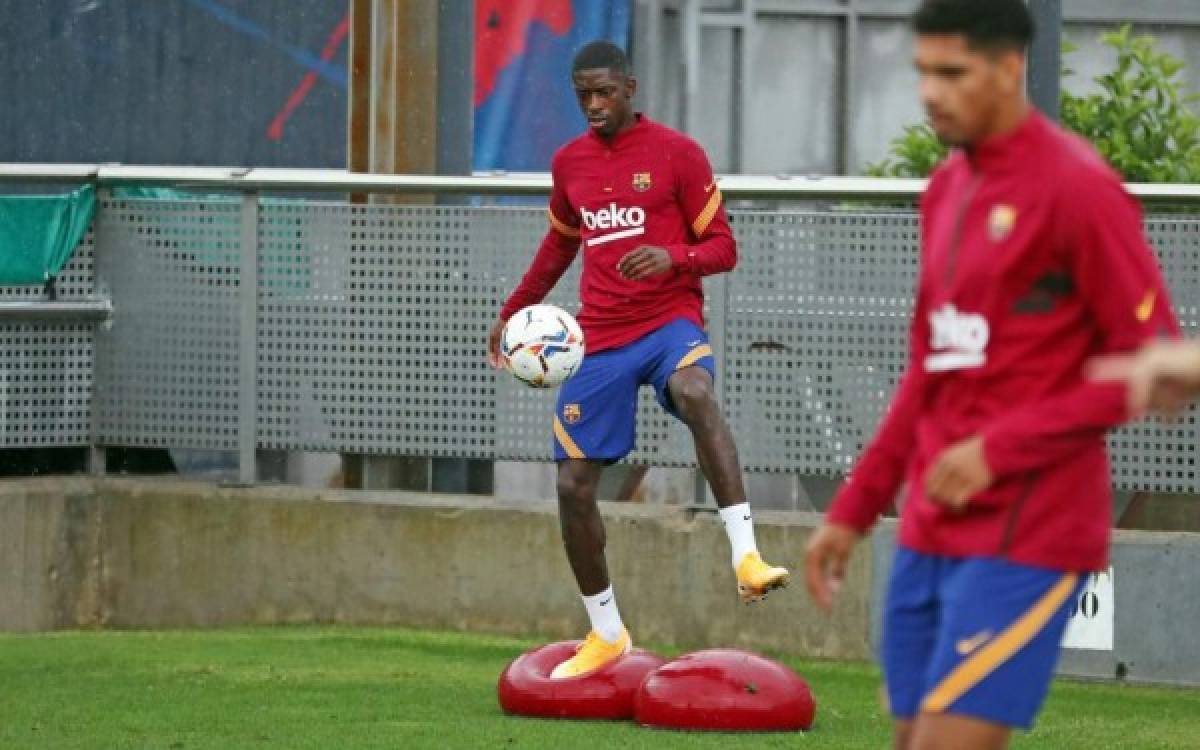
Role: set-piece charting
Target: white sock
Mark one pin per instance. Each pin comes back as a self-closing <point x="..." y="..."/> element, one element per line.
<point x="739" y="526"/>
<point x="602" y="611"/>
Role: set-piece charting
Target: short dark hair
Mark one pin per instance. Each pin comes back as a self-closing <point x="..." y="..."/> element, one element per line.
<point x="987" y="24"/>
<point x="601" y="54"/>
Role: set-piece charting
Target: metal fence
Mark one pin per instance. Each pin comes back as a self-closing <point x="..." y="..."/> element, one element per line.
<point x="241" y="323"/>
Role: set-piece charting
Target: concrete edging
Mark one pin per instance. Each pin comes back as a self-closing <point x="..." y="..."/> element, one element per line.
<point x="170" y="553"/>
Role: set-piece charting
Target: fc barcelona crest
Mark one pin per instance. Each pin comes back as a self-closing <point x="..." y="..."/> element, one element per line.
<point x="641" y="181"/>
<point x="572" y="413"/>
<point x="1001" y="222"/>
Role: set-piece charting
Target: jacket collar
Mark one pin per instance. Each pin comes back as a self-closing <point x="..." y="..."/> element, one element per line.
<point x="1011" y="149"/>
<point x="640" y="123"/>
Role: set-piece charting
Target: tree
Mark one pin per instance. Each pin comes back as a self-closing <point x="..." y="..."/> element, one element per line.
<point x="1141" y="121"/>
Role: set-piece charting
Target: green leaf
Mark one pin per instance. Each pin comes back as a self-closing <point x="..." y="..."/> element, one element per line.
<point x="1142" y="120"/>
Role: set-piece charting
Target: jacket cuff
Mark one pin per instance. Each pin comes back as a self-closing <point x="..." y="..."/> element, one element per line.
<point x="683" y="257"/>
<point x="1003" y="454"/>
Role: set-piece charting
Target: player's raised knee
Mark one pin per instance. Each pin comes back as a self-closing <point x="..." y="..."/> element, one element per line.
<point x="692" y="391"/>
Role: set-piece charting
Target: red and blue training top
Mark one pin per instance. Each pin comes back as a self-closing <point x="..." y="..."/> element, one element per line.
<point x="648" y="185"/>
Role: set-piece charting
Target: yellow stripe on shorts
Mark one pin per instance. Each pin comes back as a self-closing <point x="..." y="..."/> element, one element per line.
<point x="568" y="445"/>
<point x="971" y="672"/>
<point x="694" y="356"/>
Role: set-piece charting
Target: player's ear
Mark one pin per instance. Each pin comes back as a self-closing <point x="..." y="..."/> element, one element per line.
<point x="1012" y="69"/>
<point x="630" y="86"/>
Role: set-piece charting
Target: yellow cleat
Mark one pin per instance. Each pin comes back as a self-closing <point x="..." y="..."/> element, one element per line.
<point x="592" y="654"/>
<point x="755" y="578"/>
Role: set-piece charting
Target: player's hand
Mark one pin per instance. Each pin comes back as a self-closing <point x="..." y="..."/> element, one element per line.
<point x="825" y="561"/>
<point x="495" y="359"/>
<point x="644" y="262"/>
<point x="958" y="473"/>
<point x="1162" y="377"/>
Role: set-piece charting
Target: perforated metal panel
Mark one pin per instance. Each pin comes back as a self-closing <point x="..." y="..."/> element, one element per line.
<point x="46" y="368"/>
<point x="372" y="327"/>
<point x="816" y="334"/>
<point x="507" y="240"/>
<point x="167" y="366"/>
<point x="1154" y="455"/>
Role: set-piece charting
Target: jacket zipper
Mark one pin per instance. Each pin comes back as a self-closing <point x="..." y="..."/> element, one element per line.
<point x="1010" y="525"/>
<point x="956" y="238"/>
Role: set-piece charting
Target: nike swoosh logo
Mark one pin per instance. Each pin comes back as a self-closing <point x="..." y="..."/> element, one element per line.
<point x="606" y="601"/>
<point x="709" y="187"/>
<point x="745" y="518"/>
<point x="697" y="342"/>
<point x="967" y="646"/>
<point x="1146" y="308"/>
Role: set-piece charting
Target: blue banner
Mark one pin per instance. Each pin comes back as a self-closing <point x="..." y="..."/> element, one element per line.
<point x="525" y="106"/>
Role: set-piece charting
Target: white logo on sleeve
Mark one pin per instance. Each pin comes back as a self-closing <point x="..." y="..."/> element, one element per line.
<point x="617" y="221"/>
<point x="959" y="340"/>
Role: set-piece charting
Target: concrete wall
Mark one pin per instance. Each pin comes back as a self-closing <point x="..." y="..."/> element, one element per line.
<point x="163" y="553"/>
<point x="50" y="554"/>
<point x="149" y="553"/>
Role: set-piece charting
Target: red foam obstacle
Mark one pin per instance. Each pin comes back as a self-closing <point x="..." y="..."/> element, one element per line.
<point x="725" y="689"/>
<point x="526" y="688"/>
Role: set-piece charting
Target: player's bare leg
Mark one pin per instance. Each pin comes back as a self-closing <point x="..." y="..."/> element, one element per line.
<point x="584" y="538"/>
<point x="582" y="528"/>
<point x="901" y="734"/>
<point x="695" y="400"/>
<point x="949" y="732"/>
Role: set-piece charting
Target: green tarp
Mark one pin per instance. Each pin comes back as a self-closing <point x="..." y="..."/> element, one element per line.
<point x="38" y="233"/>
<point x="148" y="192"/>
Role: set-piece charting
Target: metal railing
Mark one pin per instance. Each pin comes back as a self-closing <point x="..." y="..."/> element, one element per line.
<point x="241" y="179"/>
<point x="248" y="179"/>
<point x="54" y="311"/>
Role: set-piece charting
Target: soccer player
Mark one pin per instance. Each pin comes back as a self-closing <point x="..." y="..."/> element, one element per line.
<point x="1033" y="260"/>
<point x="639" y="202"/>
<point x="1162" y="377"/>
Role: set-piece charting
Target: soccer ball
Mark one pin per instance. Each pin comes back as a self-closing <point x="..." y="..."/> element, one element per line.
<point x="542" y="346"/>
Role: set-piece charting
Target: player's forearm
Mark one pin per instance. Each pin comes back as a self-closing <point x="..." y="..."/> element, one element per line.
<point x="1186" y="364"/>
<point x="867" y="493"/>
<point x="553" y="258"/>
<point x="1057" y="428"/>
<point x="1053" y="429"/>
<point x="716" y="253"/>
<point x="1175" y="361"/>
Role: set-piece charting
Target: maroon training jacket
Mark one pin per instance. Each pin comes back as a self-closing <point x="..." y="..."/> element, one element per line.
<point x="1033" y="261"/>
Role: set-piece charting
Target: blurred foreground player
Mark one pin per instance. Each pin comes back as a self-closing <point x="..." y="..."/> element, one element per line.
<point x="1033" y="261"/>
<point x="639" y="201"/>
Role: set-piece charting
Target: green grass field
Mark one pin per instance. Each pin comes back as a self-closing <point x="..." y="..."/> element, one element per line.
<point x="337" y="687"/>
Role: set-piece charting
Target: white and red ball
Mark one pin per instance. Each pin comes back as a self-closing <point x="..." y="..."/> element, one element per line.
<point x="542" y="346"/>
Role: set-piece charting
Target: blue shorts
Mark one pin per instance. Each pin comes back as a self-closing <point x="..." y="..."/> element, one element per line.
<point x="596" y="416"/>
<point x="975" y="636"/>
